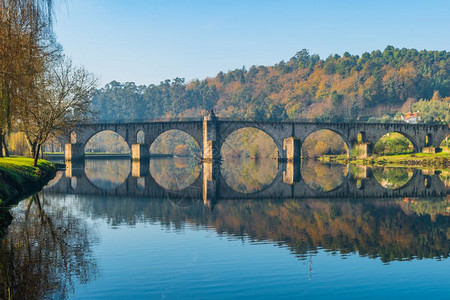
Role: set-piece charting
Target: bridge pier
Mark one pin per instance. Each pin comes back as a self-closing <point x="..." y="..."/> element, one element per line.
<point x="292" y="146"/>
<point x="140" y="151"/>
<point x="211" y="147"/>
<point x="211" y="176"/>
<point x="291" y="175"/>
<point x="74" y="151"/>
<point x="74" y="168"/>
<point x="140" y="168"/>
<point x="360" y="175"/>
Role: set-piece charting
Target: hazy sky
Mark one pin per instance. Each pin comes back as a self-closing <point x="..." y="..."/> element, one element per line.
<point x="148" y="41"/>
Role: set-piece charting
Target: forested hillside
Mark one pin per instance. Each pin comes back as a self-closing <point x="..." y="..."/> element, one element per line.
<point x="339" y="88"/>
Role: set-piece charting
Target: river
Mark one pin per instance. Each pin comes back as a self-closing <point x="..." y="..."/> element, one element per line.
<point x="256" y="229"/>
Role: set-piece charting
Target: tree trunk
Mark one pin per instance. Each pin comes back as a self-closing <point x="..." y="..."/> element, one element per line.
<point x="36" y="154"/>
<point x="32" y="149"/>
<point x="5" y="146"/>
<point x="1" y="144"/>
<point x="31" y="145"/>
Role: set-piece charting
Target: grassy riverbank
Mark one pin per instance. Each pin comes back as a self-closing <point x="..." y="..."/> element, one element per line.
<point x="18" y="179"/>
<point x="435" y="160"/>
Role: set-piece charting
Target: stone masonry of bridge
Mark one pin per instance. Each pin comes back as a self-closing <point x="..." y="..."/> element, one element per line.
<point x="211" y="133"/>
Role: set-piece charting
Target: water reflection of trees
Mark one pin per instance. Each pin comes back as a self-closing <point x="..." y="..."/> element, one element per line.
<point x="390" y="229"/>
<point x="107" y="174"/>
<point x="323" y="177"/>
<point x="249" y="175"/>
<point x="392" y="178"/>
<point x="374" y="228"/>
<point x="46" y="251"/>
<point x="176" y="173"/>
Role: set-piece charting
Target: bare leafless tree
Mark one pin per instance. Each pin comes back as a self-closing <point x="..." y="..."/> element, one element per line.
<point x="58" y="99"/>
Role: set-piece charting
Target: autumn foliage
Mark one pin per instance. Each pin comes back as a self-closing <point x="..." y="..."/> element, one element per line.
<point x="338" y="88"/>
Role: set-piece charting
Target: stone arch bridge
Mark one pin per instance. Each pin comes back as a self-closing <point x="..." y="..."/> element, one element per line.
<point x="211" y="133"/>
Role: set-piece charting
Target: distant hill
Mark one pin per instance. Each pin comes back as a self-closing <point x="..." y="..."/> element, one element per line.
<point x="338" y="88"/>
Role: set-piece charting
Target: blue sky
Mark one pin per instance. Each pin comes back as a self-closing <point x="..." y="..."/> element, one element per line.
<point x="150" y="41"/>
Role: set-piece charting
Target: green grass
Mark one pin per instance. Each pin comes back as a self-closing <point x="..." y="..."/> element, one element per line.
<point x="18" y="177"/>
<point x="435" y="160"/>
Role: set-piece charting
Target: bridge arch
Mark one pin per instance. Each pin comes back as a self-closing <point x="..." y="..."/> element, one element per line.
<point x="380" y="176"/>
<point x="268" y="191"/>
<point x="227" y="131"/>
<point x="254" y="145"/>
<point x="377" y="147"/>
<point x="107" y="175"/>
<point x="186" y="138"/>
<point x="338" y="133"/>
<point x="341" y="129"/>
<point x="249" y="176"/>
<point x="175" y="175"/>
<point x="121" y="144"/>
<point x="308" y="178"/>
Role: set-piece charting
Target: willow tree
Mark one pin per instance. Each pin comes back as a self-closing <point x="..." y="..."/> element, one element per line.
<point x="26" y="44"/>
<point x="57" y="100"/>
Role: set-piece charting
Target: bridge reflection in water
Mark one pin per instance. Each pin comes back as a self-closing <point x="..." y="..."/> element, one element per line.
<point x="206" y="182"/>
<point x="299" y="211"/>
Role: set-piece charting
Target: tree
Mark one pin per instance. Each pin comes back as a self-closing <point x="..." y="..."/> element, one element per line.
<point x="58" y="100"/>
<point x="339" y="88"/>
<point x="435" y="111"/>
<point x="26" y="38"/>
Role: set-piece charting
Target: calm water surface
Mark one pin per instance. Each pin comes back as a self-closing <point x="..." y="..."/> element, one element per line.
<point x="110" y="229"/>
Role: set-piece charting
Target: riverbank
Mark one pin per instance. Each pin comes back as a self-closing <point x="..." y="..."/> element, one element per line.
<point x="435" y="160"/>
<point x="18" y="179"/>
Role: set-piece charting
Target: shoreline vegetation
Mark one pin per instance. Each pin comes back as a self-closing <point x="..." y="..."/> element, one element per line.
<point x="19" y="179"/>
<point x="417" y="160"/>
